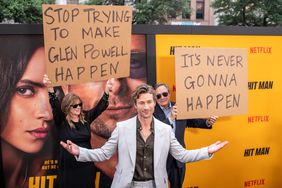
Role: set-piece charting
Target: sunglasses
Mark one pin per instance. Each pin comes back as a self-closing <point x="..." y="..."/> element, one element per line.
<point x="164" y="94"/>
<point x="76" y="105"/>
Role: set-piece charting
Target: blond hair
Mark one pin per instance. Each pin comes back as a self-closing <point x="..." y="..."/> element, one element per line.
<point x="66" y="106"/>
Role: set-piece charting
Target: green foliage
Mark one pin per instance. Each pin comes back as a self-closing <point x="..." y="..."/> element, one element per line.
<point x="158" y="11"/>
<point x="95" y="2"/>
<point x="105" y="2"/>
<point x="22" y="11"/>
<point x="144" y="12"/>
<point x="151" y="11"/>
<point x="249" y="12"/>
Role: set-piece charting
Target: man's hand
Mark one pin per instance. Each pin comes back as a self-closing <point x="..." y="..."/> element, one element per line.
<point x="212" y="120"/>
<point x="173" y="114"/>
<point x="70" y="147"/>
<point x="216" y="146"/>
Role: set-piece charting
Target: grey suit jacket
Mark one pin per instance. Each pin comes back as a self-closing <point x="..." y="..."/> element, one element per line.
<point x="123" y="140"/>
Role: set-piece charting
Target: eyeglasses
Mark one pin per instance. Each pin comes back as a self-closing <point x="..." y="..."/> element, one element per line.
<point x="76" y="105"/>
<point x="164" y="94"/>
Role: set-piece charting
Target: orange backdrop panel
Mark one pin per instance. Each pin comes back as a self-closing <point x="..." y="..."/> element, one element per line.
<point x="252" y="157"/>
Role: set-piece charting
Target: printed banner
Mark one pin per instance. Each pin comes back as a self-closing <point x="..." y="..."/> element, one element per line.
<point x="29" y="143"/>
<point x="28" y="134"/>
<point x="251" y="158"/>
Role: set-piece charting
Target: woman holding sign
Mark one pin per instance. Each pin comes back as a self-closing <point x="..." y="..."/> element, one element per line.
<point x="25" y="113"/>
<point x="74" y="124"/>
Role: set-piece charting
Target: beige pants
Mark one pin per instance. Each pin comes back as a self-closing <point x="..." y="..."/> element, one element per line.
<point x="143" y="184"/>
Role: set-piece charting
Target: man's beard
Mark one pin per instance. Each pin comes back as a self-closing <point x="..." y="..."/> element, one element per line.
<point x="100" y="128"/>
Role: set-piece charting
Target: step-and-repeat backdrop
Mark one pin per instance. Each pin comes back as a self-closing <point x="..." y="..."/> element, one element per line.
<point x="252" y="158"/>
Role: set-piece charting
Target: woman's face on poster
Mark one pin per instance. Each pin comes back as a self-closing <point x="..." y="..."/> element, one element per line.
<point x="29" y="115"/>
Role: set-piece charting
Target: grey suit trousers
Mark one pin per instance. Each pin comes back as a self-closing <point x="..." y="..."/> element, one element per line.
<point x="143" y="184"/>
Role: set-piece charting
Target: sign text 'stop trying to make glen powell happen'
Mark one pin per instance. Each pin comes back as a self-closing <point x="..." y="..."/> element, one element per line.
<point x="86" y="43"/>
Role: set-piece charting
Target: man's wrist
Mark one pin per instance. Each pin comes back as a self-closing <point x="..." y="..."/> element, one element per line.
<point x="171" y="120"/>
<point x="210" y="154"/>
<point x="208" y="123"/>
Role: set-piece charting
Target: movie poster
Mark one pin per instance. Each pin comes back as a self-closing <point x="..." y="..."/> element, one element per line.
<point x="29" y="143"/>
<point x="251" y="157"/>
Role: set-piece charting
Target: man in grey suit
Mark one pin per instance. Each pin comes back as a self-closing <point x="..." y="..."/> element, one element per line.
<point x="143" y="144"/>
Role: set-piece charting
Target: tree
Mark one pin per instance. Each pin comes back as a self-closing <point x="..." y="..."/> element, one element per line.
<point x="248" y="12"/>
<point x="22" y="11"/>
<point x="144" y="11"/>
<point x="105" y="2"/>
<point x="158" y="11"/>
<point x="151" y="11"/>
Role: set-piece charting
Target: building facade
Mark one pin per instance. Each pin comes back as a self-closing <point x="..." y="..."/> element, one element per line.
<point x="201" y="14"/>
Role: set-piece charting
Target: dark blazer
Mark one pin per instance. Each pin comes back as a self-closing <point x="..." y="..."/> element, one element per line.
<point x="180" y="128"/>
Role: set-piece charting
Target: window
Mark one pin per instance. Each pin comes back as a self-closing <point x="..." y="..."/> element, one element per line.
<point x="200" y="9"/>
